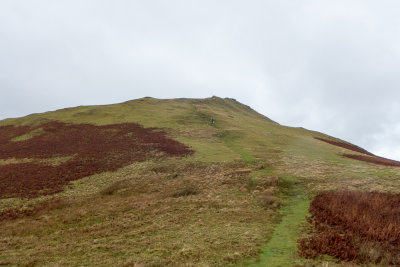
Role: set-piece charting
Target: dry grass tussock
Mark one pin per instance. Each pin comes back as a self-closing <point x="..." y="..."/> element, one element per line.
<point x="167" y="213"/>
<point x="265" y="188"/>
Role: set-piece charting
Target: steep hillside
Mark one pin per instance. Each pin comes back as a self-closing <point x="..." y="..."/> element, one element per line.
<point x="153" y="182"/>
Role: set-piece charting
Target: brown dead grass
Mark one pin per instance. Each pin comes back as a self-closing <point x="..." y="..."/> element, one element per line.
<point x="139" y="222"/>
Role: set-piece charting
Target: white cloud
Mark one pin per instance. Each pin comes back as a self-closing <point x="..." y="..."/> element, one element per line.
<point x="329" y="66"/>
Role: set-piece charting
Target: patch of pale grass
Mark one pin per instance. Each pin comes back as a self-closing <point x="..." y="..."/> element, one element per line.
<point x="29" y="135"/>
<point x="14" y="161"/>
<point x="54" y="161"/>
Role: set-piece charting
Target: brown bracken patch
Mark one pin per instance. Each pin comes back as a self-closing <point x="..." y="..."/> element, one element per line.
<point x="355" y="226"/>
<point x="345" y="145"/>
<point x="96" y="149"/>
<point x="371" y="158"/>
<point x="375" y="159"/>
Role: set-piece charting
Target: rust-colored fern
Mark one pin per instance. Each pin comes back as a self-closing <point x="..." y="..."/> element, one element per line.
<point x="96" y="149"/>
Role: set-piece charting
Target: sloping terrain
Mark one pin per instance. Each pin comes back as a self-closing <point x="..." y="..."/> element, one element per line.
<point x="149" y="182"/>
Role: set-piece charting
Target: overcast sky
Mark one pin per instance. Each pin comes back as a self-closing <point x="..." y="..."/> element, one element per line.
<point x="331" y="66"/>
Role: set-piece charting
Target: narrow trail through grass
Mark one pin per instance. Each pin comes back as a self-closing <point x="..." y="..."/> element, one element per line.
<point x="281" y="248"/>
<point x="229" y="141"/>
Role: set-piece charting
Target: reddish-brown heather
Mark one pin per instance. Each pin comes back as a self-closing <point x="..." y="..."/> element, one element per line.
<point x="371" y="158"/>
<point x="355" y="226"/>
<point x="345" y="145"/>
<point x="96" y="149"/>
<point x="376" y="160"/>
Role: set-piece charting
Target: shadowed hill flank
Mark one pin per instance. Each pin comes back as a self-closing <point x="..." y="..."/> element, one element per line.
<point x="93" y="149"/>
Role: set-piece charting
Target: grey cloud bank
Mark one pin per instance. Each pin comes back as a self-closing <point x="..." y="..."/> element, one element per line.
<point x="330" y="66"/>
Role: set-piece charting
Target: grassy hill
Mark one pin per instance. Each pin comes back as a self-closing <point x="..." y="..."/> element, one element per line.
<point x="240" y="197"/>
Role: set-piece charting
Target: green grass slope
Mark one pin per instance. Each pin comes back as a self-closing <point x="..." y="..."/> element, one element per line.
<point x="240" y="199"/>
